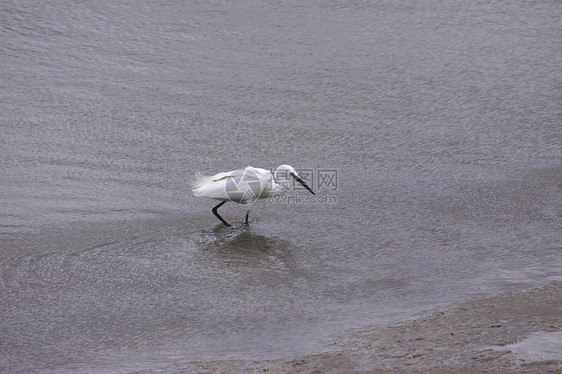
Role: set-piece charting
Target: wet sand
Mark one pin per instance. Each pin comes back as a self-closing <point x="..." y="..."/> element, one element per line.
<point x="469" y="337"/>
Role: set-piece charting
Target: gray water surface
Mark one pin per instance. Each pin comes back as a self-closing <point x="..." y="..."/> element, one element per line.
<point x="441" y="122"/>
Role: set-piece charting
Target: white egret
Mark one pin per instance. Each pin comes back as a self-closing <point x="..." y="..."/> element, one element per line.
<point x="243" y="186"/>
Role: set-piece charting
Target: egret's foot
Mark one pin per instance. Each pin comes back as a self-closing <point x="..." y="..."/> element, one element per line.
<point x="247" y="215"/>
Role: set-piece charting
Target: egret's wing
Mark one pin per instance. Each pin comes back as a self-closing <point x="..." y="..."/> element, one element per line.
<point x="202" y="179"/>
<point x="244" y="185"/>
<point x="209" y="188"/>
<point x="214" y="186"/>
<point x="249" y="172"/>
<point x="219" y="176"/>
<point x="259" y="181"/>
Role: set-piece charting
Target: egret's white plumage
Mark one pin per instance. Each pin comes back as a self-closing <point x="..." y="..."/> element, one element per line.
<point x="224" y="186"/>
<point x="243" y="186"/>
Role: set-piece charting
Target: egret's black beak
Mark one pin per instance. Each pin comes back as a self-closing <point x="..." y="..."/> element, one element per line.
<point x="302" y="182"/>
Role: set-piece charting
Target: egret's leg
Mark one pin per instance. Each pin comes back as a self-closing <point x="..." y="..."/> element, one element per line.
<point x="247" y="215"/>
<point x="218" y="215"/>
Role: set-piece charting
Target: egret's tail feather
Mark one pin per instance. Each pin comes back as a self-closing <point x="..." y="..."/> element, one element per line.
<point x="199" y="180"/>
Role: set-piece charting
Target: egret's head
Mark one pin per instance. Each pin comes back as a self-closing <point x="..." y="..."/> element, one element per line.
<point x="284" y="172"/>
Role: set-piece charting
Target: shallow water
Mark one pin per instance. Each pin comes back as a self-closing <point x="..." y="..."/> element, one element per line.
<point x="436" y="128"/>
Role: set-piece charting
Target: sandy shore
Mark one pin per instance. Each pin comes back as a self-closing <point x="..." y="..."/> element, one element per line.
<point x="470" y="337"/>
